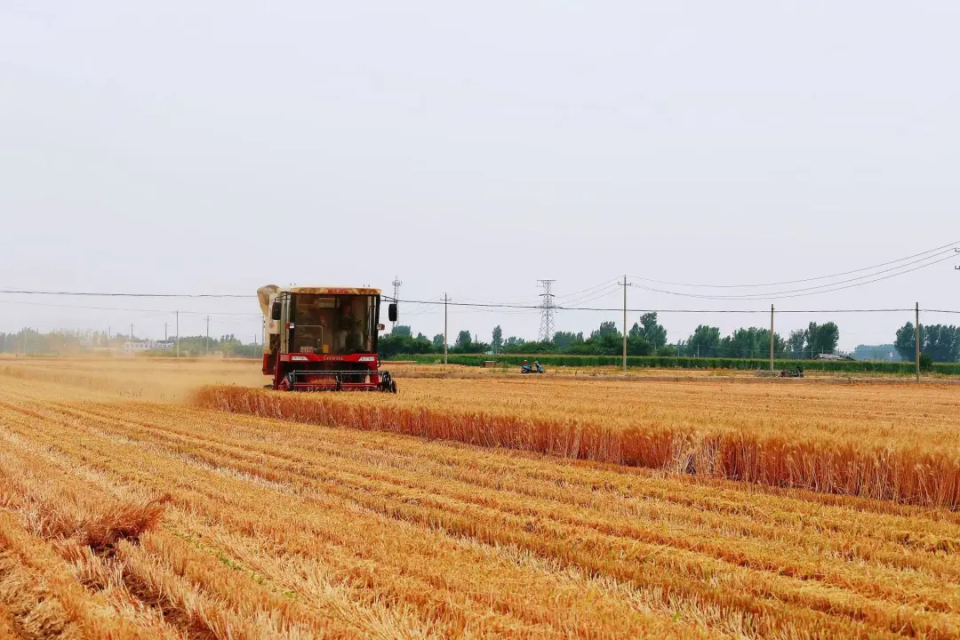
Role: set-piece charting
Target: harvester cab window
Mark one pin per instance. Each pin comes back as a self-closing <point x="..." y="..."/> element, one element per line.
<point x="333" y="324"/>
<point x="312" y="320"/>
<point x="352" y="326"/>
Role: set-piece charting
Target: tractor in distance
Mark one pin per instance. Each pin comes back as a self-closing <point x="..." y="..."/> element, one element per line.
<point x="323" y="338"/>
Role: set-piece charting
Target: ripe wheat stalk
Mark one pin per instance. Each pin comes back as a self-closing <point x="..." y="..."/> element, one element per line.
<point x="856" y="468"/>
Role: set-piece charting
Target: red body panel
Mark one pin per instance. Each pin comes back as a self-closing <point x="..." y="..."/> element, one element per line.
<point x="323" y="372"/>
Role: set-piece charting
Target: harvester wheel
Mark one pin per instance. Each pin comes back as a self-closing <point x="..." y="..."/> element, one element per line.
<point x="393" y="386"/>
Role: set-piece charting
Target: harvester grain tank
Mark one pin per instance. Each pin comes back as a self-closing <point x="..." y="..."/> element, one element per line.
<point x="323" y="338"/>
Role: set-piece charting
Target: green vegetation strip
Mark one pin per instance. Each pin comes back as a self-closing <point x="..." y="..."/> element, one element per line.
<point x="666" y="362"/>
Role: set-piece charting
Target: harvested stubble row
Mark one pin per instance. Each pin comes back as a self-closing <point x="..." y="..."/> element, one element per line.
<point x="890" y="444"/>
<point x="378" y="535"/>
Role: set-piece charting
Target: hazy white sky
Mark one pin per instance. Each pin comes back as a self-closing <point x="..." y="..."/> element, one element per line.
<point x="218" y="146"/>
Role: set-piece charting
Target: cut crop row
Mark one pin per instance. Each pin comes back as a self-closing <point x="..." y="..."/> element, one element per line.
<point x="846" y="467"/>
<point x="433" y="584"/>
<point x="686" y="558"/>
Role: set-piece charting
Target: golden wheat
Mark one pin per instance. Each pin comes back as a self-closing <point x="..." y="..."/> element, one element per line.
<point x="133" y="519"/>
<point x="870" y="464"/>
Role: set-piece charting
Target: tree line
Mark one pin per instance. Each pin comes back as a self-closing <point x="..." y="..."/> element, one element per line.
<point x="32" y="342"/>
<point x="645" y="338"/>
<point x="941" y="343"/>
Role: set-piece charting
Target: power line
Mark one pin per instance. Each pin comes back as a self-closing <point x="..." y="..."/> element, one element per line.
<point x="564" y="308"/>
<point x="103" y="294"/>
<point x="491" y="306"/>
<point x="157" y="311"/>
<point x="786" y="282"/>
<point x="586" y="293"/>
<point x="613" y="287"/>
<point x="593" y="288"/>
<point x="798" y="293"/>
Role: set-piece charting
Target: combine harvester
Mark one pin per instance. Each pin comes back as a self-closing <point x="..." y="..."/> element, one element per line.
<point x="323" y="338"/>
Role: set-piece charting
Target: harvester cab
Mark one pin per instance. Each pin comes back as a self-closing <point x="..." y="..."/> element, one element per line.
<point x="323" y="338"/>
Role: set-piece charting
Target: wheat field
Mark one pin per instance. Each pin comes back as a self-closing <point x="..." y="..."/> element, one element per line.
<point x="131" y="509"/>
<point x="892" y="442"/>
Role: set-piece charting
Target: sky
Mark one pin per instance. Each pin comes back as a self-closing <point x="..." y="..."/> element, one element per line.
<point x="214" y="147"/>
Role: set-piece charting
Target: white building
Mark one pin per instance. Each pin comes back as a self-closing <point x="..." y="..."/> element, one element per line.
<point x="133" y="346"/>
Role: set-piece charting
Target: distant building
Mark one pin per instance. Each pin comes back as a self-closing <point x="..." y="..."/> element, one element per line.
<point x="881" y="352"/>
<point x="831" y="356"/>
<point x="134" y="346"/>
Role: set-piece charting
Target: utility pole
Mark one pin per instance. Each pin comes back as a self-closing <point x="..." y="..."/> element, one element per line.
<point x="396" y="297"/>
<point x="916" y="340"/>
<point x="178" y="335"/>
<point x="207" y="347"/>
<point x="164" y="331"/>
<point x="771" y="337"/>
<point x="446" y="299"/>
<point x="624" y="323"/>
<point x="546" y="313"/>
<point x="131" y="332"/>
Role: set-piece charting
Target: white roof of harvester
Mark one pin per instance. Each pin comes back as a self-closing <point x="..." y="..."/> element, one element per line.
<point x="332" y="291"/>
<point x="265" y="292"/>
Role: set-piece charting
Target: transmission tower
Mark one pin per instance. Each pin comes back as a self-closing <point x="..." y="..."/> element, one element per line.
<point x="396" y="296"/>
<point x="546" y="313"/>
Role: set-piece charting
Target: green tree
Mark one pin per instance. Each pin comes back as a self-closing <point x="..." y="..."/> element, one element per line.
<point x="606" y="330"/>
<point x="466" y="344"/>
<point x="566" y="339"/>
<point x="402" y="330"/>
<point x="438" y="342"/>
<point x="513" y="344"/>
<point x="538" y="347"/>
<point x="752" y="342"/>
<point x="742" y="343"/>
<point x="497" y="339"/>
<point x="653" y="331"/>
<point x="779" y="344"/>
<point x="906" y="342"/>
<point x="704" y="342"/>
<point x="940" y="342"/>
<point x="395" y="343"/>
<point x="638" y="346"/>
<point x="797" y="342"/>
<point x="822" y="338"/>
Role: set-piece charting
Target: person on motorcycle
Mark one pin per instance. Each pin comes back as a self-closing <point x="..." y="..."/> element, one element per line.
<point x="525" y="368"/>
<point x="537" y="366"/>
